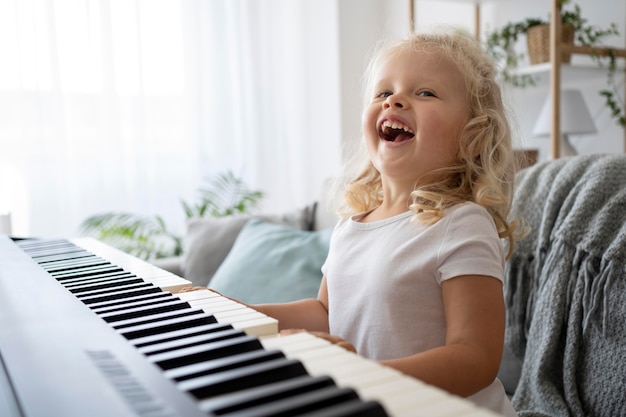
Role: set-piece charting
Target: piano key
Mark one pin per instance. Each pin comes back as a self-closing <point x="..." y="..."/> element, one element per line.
<point x="143" y="311"/>
<point x="233" y="316"/>
<point x="191" y="331"/>
<point x="85" y="272"/>
<point x="108" y="291"/>
<point x="198" y="295"/>
<point x="135" y="301"/>
<point x="189" y="341"/>
<point x="50" y="255"/>
<point x="242" y="378"/>
<point x="351" y="409"/>
<point x="301" y="404"/>
<point x="257" y="327"/>
<point x="116" y="283"/>
<point x="239" y="315"/>
<point x="62" y="263"/>
<point x="204" y="352"/>
<point x="214" y="366"/>
<point x="119" y="294"/>
<point x="264" y="394"/>
<point x="216" y="302"/>
<point x="107" y="275"/>
<point x="151" y="329"/>
<point x="156" y="318"/>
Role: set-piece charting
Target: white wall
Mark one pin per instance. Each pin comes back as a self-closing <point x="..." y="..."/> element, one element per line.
<point x="363" y="22"/>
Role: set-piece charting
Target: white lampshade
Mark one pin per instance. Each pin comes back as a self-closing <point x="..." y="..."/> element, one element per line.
<point x="5" y="223"/>
<point x="575" y="116"/>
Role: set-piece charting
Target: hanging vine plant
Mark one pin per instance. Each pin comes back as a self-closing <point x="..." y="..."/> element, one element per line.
<point x="500" y="44"/>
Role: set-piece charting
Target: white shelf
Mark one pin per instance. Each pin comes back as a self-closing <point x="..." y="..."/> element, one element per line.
<point x="569" y="72"/>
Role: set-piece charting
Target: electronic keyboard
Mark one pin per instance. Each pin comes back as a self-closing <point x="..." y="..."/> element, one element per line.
<point x="87" y="330"/>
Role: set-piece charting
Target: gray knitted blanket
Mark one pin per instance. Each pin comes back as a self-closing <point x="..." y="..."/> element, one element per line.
<point x="565" y="288"/>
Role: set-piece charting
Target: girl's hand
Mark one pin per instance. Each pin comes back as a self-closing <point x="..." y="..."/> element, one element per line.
<point x="335" y="340"/>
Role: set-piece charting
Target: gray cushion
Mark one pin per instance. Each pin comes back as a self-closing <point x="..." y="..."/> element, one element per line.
<point x="208" y="240"/>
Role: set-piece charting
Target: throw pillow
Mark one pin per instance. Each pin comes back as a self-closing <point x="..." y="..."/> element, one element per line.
<point x="272" y="263"/>
<point x="208" y="240"/>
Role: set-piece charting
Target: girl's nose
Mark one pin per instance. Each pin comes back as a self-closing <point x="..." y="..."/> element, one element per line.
<point x="395" y="101"/>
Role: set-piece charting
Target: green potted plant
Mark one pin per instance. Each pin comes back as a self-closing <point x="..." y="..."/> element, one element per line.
<point x="150" y="238"/>
<point x="500" y="44"/>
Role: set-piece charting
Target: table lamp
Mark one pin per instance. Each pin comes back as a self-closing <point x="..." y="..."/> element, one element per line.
<point x="575" y="119"/>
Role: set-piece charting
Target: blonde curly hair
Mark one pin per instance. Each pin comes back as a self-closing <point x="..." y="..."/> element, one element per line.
<point x="485" y="165"/>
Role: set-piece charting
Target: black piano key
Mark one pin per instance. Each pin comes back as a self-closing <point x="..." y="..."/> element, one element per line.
<point x="351" y="409"/>
<point x="42" y="246"/>
<point x="119" y="294"/>
<point x="169" y="325"/>
<point x="45" y="255"/>
<point x="116" y="283"/>
<point x="215" y="366"/>
<point x="191" y="341"/>
<point x="145" y="311"/>
<point x="62" y="255"/>
<point x="264" y="394"/>
<point x="72" y="283"/>
<point x="84" y="260"/>
<point x="242" y="378"/>
<point x="180" y="334"/>
<point x="155" y="318"/>
<point x="205" y="352"/>
<point x="135" y="301"/>
<point x="297" y="405"/>
<point x="109" y="291"/>
<point x="86" y="272"/>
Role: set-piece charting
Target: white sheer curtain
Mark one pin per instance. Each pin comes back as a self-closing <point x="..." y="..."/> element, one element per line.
<point x="129" y="104"/>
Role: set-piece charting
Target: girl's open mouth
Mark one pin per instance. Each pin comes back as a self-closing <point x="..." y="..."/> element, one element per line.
<point x="393" y="131"/>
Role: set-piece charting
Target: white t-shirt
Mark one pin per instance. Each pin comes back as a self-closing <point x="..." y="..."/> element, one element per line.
<point x="384" y="281"/>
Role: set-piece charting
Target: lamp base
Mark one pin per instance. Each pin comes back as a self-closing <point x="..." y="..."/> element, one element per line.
<point x="566" y="147"/>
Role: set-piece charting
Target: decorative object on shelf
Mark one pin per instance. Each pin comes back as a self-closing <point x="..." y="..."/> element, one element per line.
<point x="149" y="237"/>
<point x="538" y="42"/>
<point x="500" y="44"/>
<point x="575" y="119"/>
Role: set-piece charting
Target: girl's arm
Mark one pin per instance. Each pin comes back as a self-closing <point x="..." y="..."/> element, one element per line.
<point x="310" y="314"/>
<point x="475" y="320"/>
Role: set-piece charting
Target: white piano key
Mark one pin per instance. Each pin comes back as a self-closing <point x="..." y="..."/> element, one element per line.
<point x="197" y="295"/>
<point x="217" y="304"/>
<point x="294" y="342"/>
<point x="235" y="316"/>
<point x="258" y="327"/>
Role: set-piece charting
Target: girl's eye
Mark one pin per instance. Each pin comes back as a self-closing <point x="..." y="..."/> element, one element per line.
<point x="426" y="94"/>
<point x="383" y="94"/>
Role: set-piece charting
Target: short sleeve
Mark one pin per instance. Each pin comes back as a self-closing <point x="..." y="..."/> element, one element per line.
<point x="470" y="244"/>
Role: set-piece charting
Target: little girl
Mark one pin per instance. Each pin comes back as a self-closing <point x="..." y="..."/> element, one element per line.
<point x="413" y="278"/>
